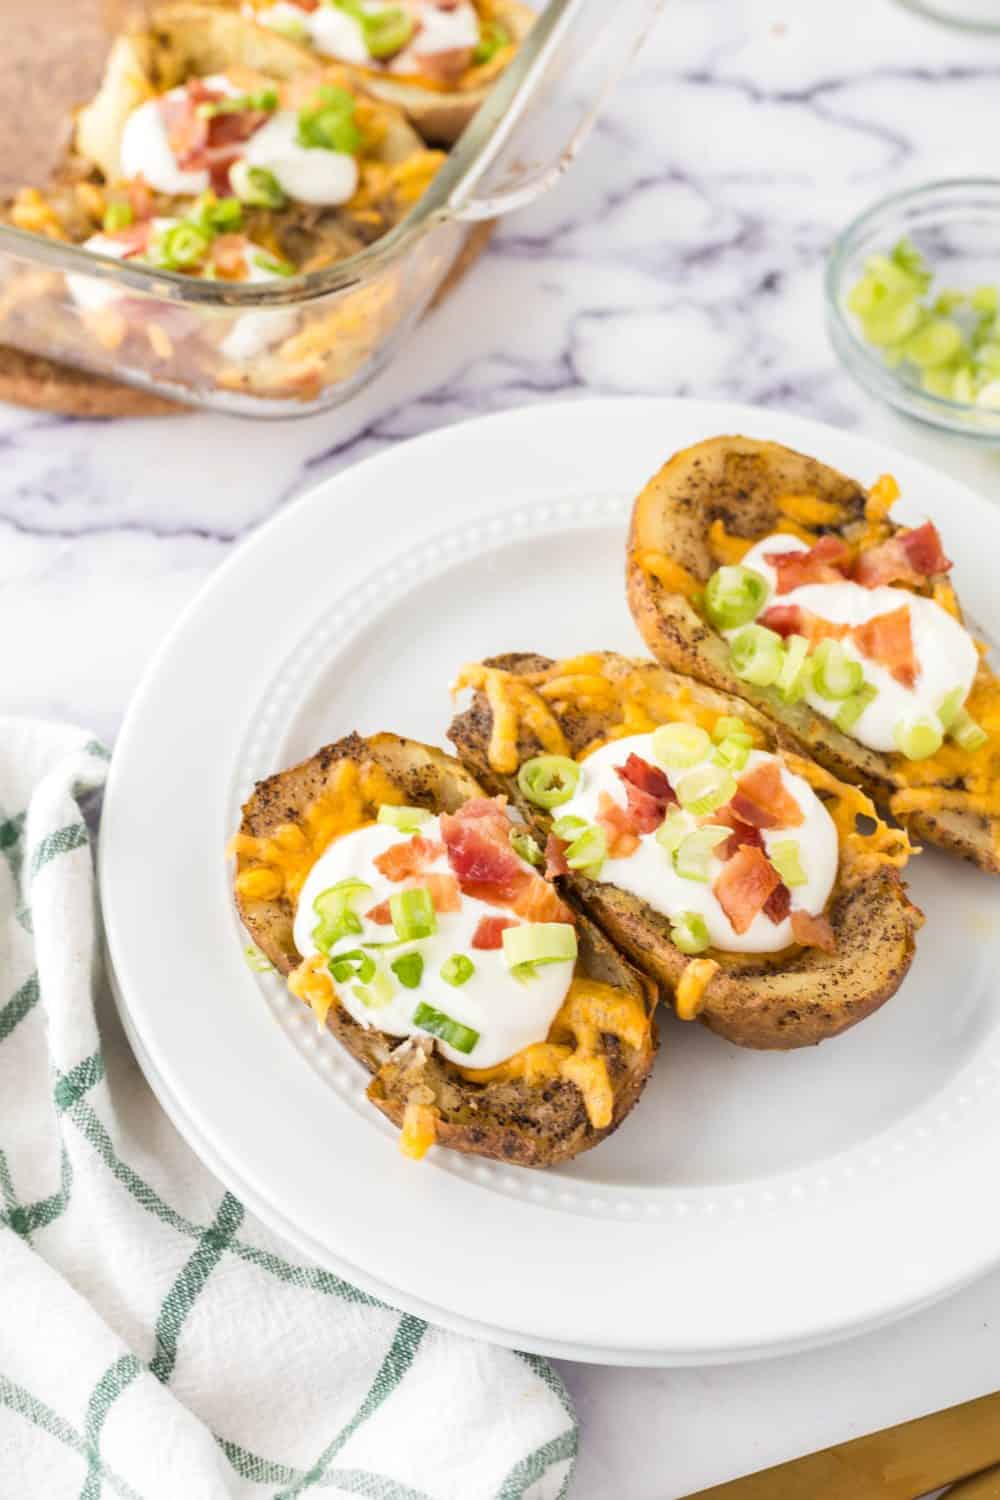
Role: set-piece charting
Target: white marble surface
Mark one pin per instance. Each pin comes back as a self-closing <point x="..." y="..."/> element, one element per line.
<point x="682" y="255"/>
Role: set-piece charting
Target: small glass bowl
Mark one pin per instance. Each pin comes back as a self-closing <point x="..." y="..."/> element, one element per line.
<point x="956" y="226"/>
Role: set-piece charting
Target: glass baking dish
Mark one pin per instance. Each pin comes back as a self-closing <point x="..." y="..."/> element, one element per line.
<point x="333" y="329"/>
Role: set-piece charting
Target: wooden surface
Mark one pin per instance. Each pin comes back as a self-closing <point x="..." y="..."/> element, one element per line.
<point x="29" y="380"/>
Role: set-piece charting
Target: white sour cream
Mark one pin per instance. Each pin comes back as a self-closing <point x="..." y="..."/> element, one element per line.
<point x="145" y="147"/>
<point x="945" y="653"/>
<point x="439" y="31"/>
<point x="334" y="33"/>
<point x="649" y="873"/>
<point x="328" y="29"/>
<point x="309" y="174"/>
<point x="507" y="1013"/>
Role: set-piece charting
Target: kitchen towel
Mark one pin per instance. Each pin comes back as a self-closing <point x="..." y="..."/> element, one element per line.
<point x="156" y="1342"/>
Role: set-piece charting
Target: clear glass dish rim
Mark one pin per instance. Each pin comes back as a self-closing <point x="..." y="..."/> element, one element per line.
<point x="436" y="206"/>
<point x="838" y="256"/>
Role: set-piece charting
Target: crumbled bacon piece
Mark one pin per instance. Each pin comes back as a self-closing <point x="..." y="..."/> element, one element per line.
<point x="445" y="67"/>
<point x="555" y="857"/>
<point x="477" y="841"/>
<point x="909" y="557"/>
<point x="823" y="563"/>
<point x="444" y="889"/>
<point x="648" y="791"/>
<point x="792" y="619"/>
<point x="229" y="257"/>
<point x="620" y="830"/>
<point x="813" y="932"/>
<point x="140" y="197"/>
<point x="742" y="834"/>
<point x="135" y="237"/>
<point x="489" y="934"/>
<point x="401" y="860"/>
<point x="744" y="886"/>
<point x="763" y="800"/>
<point x="888" y="640"/>
<point x="540" y="902"/>
<point x="380" y="914"/>
<point x="778" y="904"/>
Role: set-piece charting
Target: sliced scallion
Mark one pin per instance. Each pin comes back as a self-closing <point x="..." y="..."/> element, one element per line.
<point x="677" y="746"/>
<point x="734" y="595"/>
<point x="786" y="857"/>
<point x="966" y="733"/>
<point x="918" y="738"/>
<point x="851" y="709"/>
<point x="688" y="932"/>
<point x="549" y="780"/>
<point x="706" y="788"/>
<point x="757" y="655"/>
<point x="412" y="913"/>
<point x="408" y="969"/>
<point x="588" y="851"/>
<point x="691" y="857"/>
<point x="835" y="674"/>
<point x="406" y="819"/>
<point x="530" y="944"/>
<point x="457" y="970"/>
<point x="436" y="1023"/>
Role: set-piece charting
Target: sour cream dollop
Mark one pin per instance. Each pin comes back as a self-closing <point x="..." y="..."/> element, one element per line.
<point x="507" y="1013"/>
<point x="944" y="651"/>
<point x="649" y="872"/>
<point x="335" y="33"/>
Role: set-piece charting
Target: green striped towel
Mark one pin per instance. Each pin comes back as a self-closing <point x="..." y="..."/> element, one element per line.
<point x="156" y="1343"/>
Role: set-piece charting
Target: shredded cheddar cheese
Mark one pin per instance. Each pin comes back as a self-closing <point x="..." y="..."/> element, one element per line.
<point x="668" y="572"/>
<point x="810" y="510"/>
<point x="955" y="779"/>
<point x="724" y="546"/>
<point x="420" y="1118"/>
<point x="573" y="1050"/>
<point x="689" y="997"/>
<point x="311" y="982"/>
<point x="278" y="864"/>
<point x="883" y="846"/>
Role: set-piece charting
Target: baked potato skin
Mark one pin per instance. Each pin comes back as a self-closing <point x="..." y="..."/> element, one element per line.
<point x="510" y="1121"/>
<point x="439" y="116"/>
<point x="794" y="999"/>
<point x="738" y="480"/>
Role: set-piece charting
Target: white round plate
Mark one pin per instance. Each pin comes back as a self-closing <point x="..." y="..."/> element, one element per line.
<point x="753" y="1203"/>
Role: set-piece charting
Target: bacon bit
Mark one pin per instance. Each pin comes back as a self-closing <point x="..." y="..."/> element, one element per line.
<point x="813" y="932"/>
<point x="908" y="557"/>
<point x="477" y="842"/>
<point x="540" y="902"/>
<point x="648" y="791"/>
<point x="444" y="889"/>
<point x="140" y="197"/>
<point x="401" y="860"/>
<point x="821" y="564"/>
<point x="618" y="826"/>
<point x="744" y="886"/>
<point x="187" y="130"/>
<point x="555" y="857"/>
<point x="380" y="914"/>
<point x="489" y="934"/>
<point x="444" y="67"/>
<point x="888" y="640"/>
<point x="763" y="800"/>
<point x="229" y="257"/>
<point x="792" y="619"/>
<point x="778" y="904"/>
<point x="744" y="835"/>
<point x="135" y="238"/>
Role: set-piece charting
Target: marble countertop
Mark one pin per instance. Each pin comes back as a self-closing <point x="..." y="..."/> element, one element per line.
<point x="681" y="255"/>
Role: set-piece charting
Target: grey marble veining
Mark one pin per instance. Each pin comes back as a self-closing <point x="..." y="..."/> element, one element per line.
<point x="682" y="255"/>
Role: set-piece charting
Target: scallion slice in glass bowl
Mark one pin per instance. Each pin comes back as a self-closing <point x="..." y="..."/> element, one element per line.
<point x="912" y="297"/>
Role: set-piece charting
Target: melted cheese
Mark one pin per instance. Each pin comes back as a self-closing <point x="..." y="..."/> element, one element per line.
<point x="419" y="1129"/>
<point x="279" y="863"/>
<point x="589" y="1010"/>
<point x="668" y="572"/>
<point x="724" y="546"/>
<point x="931" y="783"/>
<point x="689" y="997"/>
<point x="883" y="846"/>
<point x="810" y="510"/>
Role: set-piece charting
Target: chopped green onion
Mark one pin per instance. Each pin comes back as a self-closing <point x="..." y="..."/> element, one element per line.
<point x="292" y="29"/>
<point x="703" y="790"/>
<point x="678" y="746"/>
<point x="786" y="857"/>
<point x="333" y="907"/>
<point x="950" y="707"/>
<point x="795" y="676"/>
<point x="236" y="104"/>
<point x="933" y="343"/>
<point x="525" y="846"/>
<point x="756" y="655"/>
<point x="457" y="970"/>
<point x="549" y="780"/>
<point x="378" y="993"/>
<point x="588" y="851"/>
<point x="216" y="215"/>
<point x="692" y="854"/>
<point x="734" y="595"/>
<point x="673" y="828"/>
<point x="352" y="965"/>
<point x="688" y="932"/>
<point x="492" y="39"/>
<point x="531" y="944"/>
<point x="328" y="125"/>
<point x="408" y="969"/>
<point x="967" y="734"/>
<point x="117" y="215"/>
<point x="568" y="827"/>
<point x="412" y="913"/>
<point x="733" y="754"/>
<point x="258" y="961"/>
<point x="436" y="1023"/>
<point x="727" y="727"/>
<point x="256" y="186"/>
<point x="835" y="674"/>
<point x="386" y="32"/>
<point x="851" y="709"/>
<point x="180" y="247"/>
<point x="919" y="737"/>
<point x="406" y="819"/>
